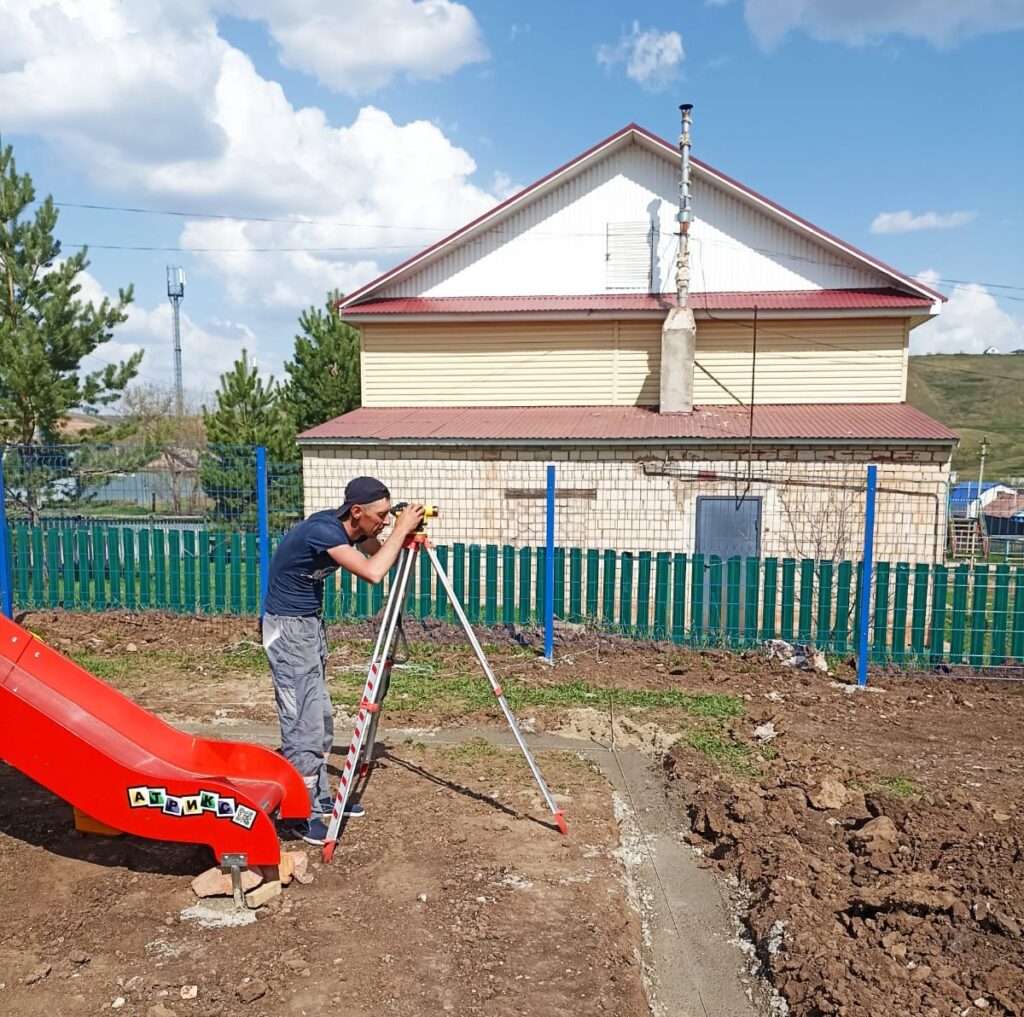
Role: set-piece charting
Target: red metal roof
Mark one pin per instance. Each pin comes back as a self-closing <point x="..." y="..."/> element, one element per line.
<point x="1005" y="506"/>
<point x="767" y="300"/>
<point x="837" y="422"/>
<point x="632" y="128"/>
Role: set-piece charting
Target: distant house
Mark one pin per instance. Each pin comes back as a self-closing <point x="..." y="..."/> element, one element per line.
<point x="1004" y="515"/>
<point x="964" y="500"/>
<point x="534" y="334"/>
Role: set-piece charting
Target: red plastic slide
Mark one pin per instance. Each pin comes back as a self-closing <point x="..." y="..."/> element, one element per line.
<point x="120" y="765"/>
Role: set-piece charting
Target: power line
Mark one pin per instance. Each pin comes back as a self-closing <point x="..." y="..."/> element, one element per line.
<point x="299" y="220"/>
<point x="294" y="220"/>
<point x="241" y="250"/>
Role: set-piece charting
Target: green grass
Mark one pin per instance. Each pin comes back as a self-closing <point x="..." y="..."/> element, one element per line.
<point x="247" y="657"/>
<point x="424" y="686"/>
<point x="899" y="787"/>
<point x="976" y="396"/>
<point x="713" y="745"/>
<point x="102" y="667"/>
<point x="474" y="751"/>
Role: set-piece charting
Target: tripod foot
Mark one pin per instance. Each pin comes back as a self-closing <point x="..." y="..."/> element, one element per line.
<point x="327" y="852"/>
<point x="560" y="820"/>
<point x="364" y="770"/>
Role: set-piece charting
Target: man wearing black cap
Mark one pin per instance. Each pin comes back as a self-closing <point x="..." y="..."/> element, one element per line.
<point x="293" y="628"/>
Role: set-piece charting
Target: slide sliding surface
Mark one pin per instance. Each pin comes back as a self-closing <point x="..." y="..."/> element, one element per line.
<point x="121" y="765"/>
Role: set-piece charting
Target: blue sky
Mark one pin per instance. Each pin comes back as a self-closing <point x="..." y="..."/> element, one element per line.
<point x="895" y="125"/>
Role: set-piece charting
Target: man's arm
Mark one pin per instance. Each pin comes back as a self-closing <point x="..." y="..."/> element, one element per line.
<point x="377" y="566"/>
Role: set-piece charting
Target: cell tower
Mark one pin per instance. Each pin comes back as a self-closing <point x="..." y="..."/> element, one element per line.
<point x="176" y="294"/>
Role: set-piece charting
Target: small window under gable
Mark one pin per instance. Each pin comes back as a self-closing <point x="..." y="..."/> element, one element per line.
<point x="629" y="256"/>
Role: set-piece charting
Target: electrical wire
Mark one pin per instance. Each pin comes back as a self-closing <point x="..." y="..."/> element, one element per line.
<point x="299" y="220"/>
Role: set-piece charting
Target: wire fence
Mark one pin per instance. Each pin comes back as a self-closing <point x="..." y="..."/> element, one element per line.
<point x="729" y="552"/>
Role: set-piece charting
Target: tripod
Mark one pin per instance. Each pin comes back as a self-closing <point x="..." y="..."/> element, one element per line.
<point x="360" y="751"/>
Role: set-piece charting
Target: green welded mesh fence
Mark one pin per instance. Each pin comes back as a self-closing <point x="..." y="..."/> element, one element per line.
<point x="173" y="529"/>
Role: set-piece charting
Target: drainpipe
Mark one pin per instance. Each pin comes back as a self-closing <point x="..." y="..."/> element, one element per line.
<point x="679" y="333"/>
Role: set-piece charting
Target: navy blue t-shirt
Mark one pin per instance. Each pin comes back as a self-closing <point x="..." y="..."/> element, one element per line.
<point x="300" y="563"/>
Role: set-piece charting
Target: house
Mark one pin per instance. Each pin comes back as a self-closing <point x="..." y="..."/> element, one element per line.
<point x="964" y="498"/>
<point x="1004" y="515"/>
<point x="533" y="335"/>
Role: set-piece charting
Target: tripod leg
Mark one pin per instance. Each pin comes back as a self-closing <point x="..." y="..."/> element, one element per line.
<point x="368" y="705"/>
<point x="399" y="598"/>
<point x="366" y="756"/>
<point x="495" y="687"/>
<point x="396" y="604"/>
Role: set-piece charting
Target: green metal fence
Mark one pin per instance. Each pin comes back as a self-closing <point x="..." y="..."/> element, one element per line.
<point x="921" y="614"/>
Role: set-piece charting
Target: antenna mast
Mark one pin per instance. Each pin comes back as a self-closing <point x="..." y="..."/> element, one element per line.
<point x="176" y="293"/>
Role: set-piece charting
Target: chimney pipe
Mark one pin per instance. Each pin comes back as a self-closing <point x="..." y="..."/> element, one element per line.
<point x="679" y="333"/>
<point x="685" y="210"/>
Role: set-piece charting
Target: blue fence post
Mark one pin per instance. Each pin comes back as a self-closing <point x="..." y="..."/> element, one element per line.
<point x="865" y="582"/>
<point x="549" y="565"/>
<point x="6" y="597"/>
<point x="263" y="521"/>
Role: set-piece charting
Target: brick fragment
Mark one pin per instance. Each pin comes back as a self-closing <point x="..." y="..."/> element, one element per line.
<point x="216" y="883"/>
<point x="263" y="894"/>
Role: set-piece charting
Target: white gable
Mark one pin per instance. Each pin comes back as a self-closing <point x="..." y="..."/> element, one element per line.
<point x="560" y="240"/>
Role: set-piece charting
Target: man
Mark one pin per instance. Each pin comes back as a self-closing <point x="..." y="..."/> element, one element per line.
<point x="293" y="628"/>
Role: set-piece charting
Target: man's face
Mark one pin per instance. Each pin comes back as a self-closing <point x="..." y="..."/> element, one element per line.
<point x="371" y="519"/>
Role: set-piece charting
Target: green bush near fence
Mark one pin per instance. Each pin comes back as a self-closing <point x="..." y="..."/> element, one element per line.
<point x="921" y="615"/>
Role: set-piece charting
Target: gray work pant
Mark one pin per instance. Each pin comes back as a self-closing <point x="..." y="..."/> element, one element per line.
<point x="297" y="651"/>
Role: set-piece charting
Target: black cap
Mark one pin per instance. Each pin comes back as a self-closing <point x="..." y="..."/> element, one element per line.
<point x="362" y="491"/>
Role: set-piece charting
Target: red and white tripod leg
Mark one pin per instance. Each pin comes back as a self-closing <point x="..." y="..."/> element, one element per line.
<point x="369" y="702"/>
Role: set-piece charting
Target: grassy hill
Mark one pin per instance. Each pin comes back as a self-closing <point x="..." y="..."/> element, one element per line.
<point x="976" y="396"/>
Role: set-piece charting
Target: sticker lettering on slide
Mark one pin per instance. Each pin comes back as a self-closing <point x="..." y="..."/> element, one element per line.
<point x="200" y="803"/>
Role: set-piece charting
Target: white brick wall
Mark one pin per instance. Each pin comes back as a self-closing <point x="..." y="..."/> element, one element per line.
<point x="812" y="498"/>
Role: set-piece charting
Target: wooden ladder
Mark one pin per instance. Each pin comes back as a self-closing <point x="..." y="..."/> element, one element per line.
<point x="968" y="538"/>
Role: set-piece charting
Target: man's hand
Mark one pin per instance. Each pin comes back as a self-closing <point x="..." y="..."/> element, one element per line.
<point x="408" y="520"/>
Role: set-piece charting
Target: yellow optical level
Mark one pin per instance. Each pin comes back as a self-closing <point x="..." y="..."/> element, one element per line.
<point x="429" y="511"/>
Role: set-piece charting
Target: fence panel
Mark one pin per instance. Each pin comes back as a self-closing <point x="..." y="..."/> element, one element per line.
<point x="142" y="528"/>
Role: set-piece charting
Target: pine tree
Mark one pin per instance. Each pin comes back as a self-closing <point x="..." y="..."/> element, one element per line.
<point x="248" y="412"/>
<point x="323" y="375"/>
<point x="45" y="330"/>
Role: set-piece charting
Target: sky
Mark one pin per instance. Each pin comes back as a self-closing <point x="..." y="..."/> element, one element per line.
<point x="278" y="149"/>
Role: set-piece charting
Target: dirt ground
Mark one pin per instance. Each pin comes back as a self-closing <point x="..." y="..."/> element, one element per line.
<point x="876" y="838"/>
<point x="449" y="896"/>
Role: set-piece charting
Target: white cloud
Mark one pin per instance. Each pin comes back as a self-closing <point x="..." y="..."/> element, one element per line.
<point x="357" y="47"/>
<point x="907" y="222"/>
<point x="652" y="58"/>
<point x="943" y="23"/>
<point x="206" y="350"/>
<point x="164" y="108"/>
<point x="970" y="322"/>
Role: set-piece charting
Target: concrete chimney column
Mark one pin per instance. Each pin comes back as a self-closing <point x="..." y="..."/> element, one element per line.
<point x="678" y="347"/>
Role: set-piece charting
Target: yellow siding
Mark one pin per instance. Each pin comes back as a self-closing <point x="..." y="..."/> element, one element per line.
<point x="510" y="364"/>
<point x="533" y="363"/>
<point x="860" y="360"/>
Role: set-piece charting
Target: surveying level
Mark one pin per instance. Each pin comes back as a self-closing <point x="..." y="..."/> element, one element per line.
<point x="378" y="678"/>
<point x="429" y="512"/>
